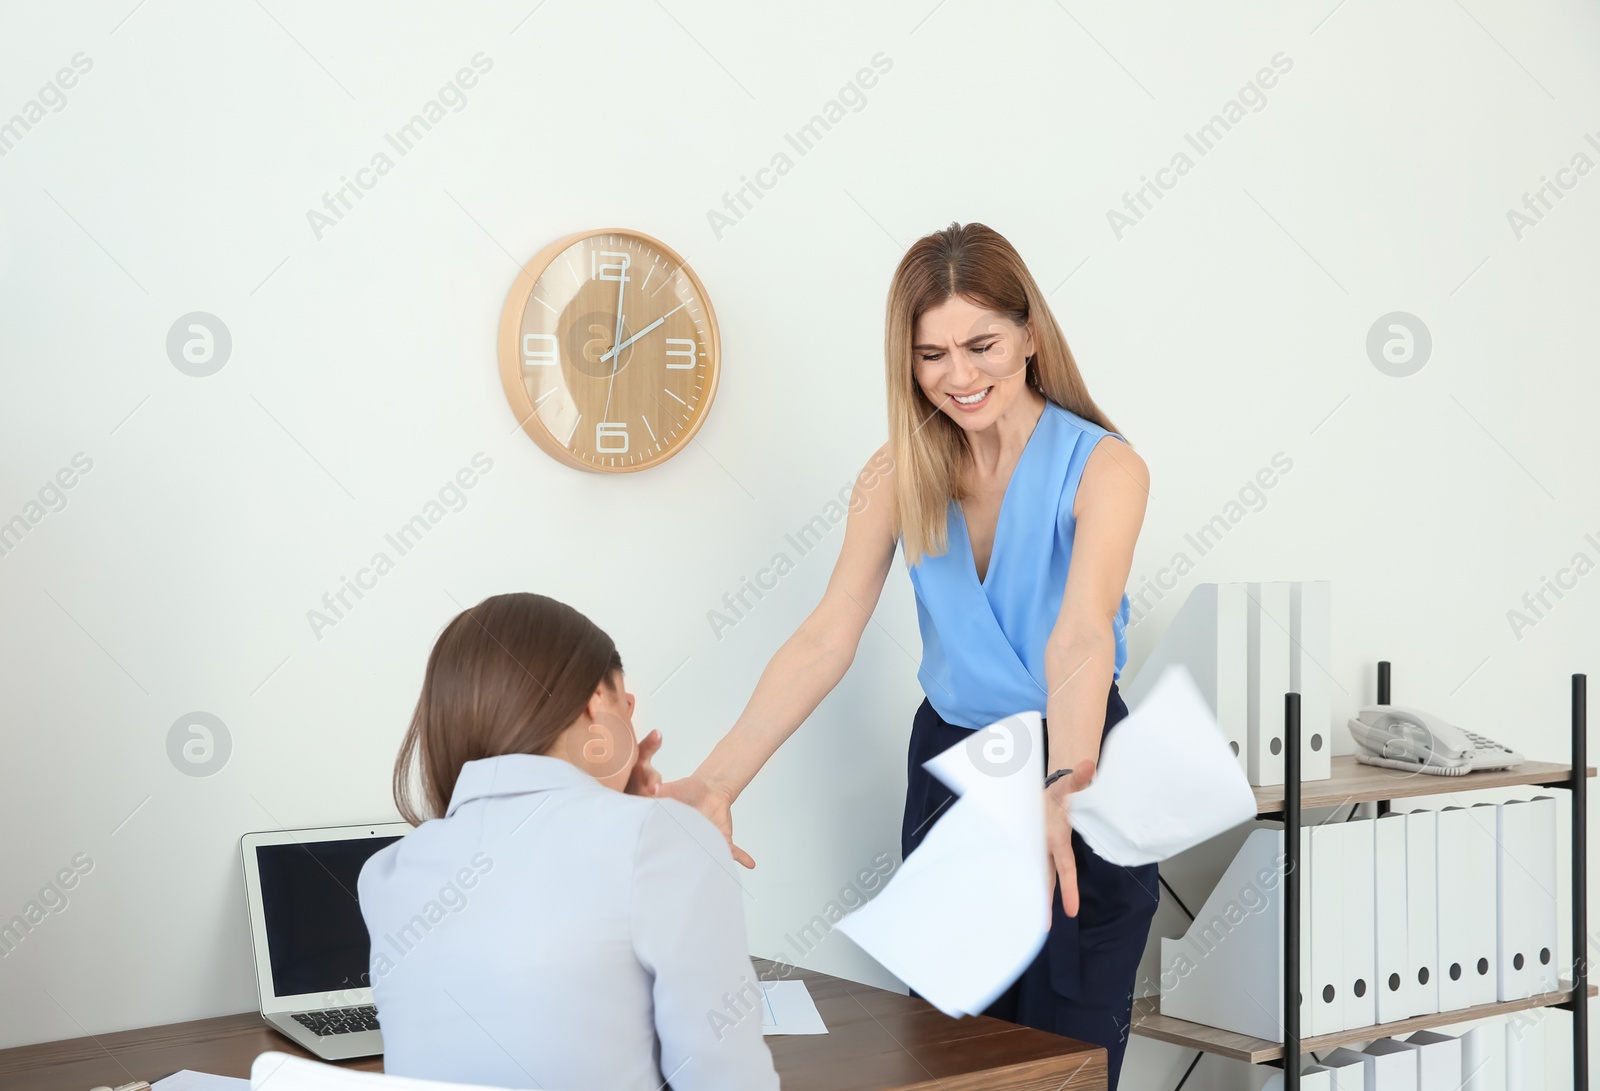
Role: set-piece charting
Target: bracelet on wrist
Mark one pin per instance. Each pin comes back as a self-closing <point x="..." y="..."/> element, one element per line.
<point x="1057" y="775"/>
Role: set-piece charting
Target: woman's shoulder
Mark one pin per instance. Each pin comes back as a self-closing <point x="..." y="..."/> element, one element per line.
<point x="1094" y="468"/>
<point x="650" y="823"/>
<point x="874" y="487"/>
<point x="672" y="837"/>
<point x="1079" y="424"/>
<point x="642" y="824"/>
<point x="879" y="468"/>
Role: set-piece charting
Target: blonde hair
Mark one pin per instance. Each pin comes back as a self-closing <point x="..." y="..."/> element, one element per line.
<point x="929" y="449"/>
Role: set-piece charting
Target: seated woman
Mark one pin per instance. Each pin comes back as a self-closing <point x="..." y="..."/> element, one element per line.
<point x="540" y="927"/>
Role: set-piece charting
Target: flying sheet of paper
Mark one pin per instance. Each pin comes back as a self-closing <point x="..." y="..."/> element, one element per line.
<point x="967" y="912"/>
<point x="189" y="1080"/>
<point x="1167" y="779"/>
<point x="787" y="1008"/>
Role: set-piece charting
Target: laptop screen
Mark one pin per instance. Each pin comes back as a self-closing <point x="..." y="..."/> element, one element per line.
<point x="316" y="937"/>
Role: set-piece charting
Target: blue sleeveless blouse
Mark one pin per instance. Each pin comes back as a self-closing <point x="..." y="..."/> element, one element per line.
<point x="983" y="642"/>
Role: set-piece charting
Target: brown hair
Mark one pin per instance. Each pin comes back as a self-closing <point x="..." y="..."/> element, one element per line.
<point x="505" y="677"/>
<point x="977" y="263"/>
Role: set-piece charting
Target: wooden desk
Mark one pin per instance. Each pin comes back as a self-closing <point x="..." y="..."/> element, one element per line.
<point x="876" y="1041"/>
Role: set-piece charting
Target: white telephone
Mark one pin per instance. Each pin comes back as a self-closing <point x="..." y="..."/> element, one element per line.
<point x="1397" y="737"/>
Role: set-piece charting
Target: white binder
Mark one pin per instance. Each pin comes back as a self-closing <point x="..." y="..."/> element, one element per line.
<point x="1324" y="892"/>
<point x="1525" y="1052"/>
<point x="1348" y="1072"/>
<point x="1486" y="916"/>
<point x="1438" y="1061"/>
<point x="1360" y="925"/>
<point x="1526" y="896"/>
<point x="1394" y="1066"/>
<point x="1227" y="970"/>
<point x="1268" y="618"/>
<point x="1208" y="637"/>
<point x="1310" y="660"/>
<point x="1465" y="866"/>
<point x="1305" y="935"/>
<point x="1385" y="1071"/>
<point x="1483" y="1058"/>
<point x="1232" y="674"/>
<point x="1313" y="1077"/>
<point x="1421" y="985"/>
<point x="1393" y="958"/>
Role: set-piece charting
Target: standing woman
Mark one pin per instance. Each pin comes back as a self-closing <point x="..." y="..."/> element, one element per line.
<point x="1017" y="507"/>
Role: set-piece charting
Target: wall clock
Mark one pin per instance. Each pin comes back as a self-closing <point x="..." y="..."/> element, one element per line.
<point x="609" y="351"/>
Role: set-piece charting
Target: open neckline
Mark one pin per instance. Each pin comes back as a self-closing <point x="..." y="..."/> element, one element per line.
<point x="1000" y="515"/>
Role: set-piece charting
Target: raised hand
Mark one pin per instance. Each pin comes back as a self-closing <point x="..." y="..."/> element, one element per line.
<point x="712" y="801"/>
<point x="1058" y="833"/>
<point x="643" y="780"/>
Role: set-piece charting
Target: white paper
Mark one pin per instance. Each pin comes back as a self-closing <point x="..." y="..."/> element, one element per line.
<point x="275" y="1071"/>
<point x="1167" y="779"/>
<point x="190" y="1080"/>
<point x="787" y="1008"/>
<point x="967" y="912"/>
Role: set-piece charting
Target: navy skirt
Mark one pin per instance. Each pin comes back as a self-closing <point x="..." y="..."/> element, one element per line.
<point x="1081" y="984"/>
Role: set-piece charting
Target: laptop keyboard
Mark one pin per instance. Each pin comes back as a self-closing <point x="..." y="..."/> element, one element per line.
<point x="339" y="1020"/>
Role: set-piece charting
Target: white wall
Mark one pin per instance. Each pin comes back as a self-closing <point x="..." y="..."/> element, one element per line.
<point x="1227" y="325"/>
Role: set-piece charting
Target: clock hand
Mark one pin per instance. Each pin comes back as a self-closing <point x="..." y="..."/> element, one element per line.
<point x="644" y="331"/>
<point x="616" y="336"/>
<point x="631" y="340"/>
<point x="622" y="280"/>
<point x="611" y="383"/>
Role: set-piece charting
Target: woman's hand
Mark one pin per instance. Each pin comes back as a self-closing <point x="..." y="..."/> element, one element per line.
<point x="1058" y="833"/>
<point x="643" y="780"/>
<point x="711" y="800"/>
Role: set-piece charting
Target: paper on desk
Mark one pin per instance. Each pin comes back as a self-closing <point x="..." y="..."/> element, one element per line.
<point x="787" y="1008"/>
<point x="190" y="1080"/>
<point x="1167" y="779"/>
<point x="967" y="912"/>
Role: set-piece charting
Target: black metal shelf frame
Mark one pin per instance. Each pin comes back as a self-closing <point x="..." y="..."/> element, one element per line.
<point x="1576" y="782"/>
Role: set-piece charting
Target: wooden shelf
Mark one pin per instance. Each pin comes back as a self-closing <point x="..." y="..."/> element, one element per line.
<point x="1353" y="782"/>
<point x="1148" y="1022"/>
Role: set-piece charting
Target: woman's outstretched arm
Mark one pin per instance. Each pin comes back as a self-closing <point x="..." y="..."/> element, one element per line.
<point x="1080" y="655"/>
<point x="810" y="663"/>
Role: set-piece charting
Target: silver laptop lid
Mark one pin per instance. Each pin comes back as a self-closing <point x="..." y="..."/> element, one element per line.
<point x="311" y="943"/>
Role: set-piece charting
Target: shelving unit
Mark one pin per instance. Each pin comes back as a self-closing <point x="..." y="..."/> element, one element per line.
<point x="1150" y="1023"/>
<point x="1353" y="782"/>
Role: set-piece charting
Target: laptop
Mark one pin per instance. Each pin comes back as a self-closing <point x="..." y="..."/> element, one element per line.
<point x="311" y="943"/>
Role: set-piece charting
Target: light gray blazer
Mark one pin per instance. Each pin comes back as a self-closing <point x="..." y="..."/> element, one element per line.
<point x="550" y="932"/>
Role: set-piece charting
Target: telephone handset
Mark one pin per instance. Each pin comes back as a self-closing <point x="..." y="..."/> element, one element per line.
<point x="1397" y="737"/>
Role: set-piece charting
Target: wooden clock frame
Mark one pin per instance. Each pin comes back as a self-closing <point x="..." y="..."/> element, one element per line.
<point x="511" y="363"/>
